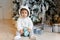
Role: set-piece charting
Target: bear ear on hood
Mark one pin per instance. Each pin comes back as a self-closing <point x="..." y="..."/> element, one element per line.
<point x="26" y="7"/>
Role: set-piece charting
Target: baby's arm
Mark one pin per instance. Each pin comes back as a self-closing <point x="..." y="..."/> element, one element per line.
<point x="30" y="28"/>
<point x="19" y="27"/>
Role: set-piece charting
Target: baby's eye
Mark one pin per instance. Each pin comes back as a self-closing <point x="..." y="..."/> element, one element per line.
<point x="25" y="12"/>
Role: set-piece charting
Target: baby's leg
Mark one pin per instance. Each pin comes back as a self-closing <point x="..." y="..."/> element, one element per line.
<point x="18" y="36"/>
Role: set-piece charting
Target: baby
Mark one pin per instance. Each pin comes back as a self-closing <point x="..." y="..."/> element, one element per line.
<point x="24" y="23"/>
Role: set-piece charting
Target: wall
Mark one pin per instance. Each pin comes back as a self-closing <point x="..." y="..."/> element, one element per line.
<point x="5" y="9"/>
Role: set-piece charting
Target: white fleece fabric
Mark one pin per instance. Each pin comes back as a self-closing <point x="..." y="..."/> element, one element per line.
<point x="24" y="22"/>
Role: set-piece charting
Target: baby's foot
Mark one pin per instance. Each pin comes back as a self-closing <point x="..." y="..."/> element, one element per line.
<point x="17" y="38"/>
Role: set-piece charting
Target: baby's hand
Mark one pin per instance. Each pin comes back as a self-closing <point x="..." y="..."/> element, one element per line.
<point x="21" y="31"/>
<point x="29" y="29"/>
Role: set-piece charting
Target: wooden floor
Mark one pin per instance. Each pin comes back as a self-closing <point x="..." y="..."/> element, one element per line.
<point x="7" y="32"/>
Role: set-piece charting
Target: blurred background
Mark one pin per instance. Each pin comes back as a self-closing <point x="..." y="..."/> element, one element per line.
<point x="45" y="15"/>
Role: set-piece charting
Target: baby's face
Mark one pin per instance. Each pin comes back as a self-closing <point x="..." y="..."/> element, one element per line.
<point x="24" y="13"/>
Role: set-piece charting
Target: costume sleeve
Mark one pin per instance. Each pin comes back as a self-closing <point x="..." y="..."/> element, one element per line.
<point x="18" y="24"/>
<point x="30" y="24"/>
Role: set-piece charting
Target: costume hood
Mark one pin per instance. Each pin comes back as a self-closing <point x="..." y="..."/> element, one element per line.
<point x="25" y="7"/>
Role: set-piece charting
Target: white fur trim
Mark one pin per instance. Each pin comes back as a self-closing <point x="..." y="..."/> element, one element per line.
<point x="26" y="7"/>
